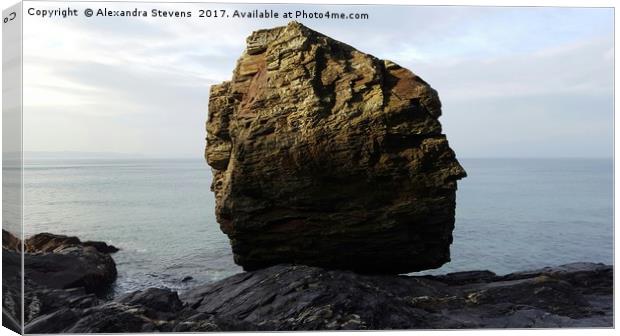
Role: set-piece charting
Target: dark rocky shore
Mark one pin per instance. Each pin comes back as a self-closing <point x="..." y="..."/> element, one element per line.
<point x="65" y="278"/>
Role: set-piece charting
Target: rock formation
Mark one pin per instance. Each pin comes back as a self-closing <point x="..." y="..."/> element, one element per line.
<point x="290" y="297"/>
<point x="59" y="272"/>
<point x="49" y="242"/>
<point x="325" y="156"/>
<point x="58" y="261"/>
<point x="10" y="242"/>
<point x="286" y="297"/>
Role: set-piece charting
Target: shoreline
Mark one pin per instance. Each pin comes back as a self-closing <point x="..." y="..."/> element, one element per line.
<point x="297" y="297"/>
<point x="568" y="236"/>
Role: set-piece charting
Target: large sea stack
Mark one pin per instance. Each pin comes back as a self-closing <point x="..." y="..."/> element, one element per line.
<point x="326" y="156"/>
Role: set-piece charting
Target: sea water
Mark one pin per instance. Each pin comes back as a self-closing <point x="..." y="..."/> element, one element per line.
<point x="511" y="215"/>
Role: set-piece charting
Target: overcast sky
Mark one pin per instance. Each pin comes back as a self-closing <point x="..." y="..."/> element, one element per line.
<point x="514" y="82"/>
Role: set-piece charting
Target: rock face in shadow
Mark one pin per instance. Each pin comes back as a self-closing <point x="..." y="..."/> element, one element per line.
<point x="326" y="156"/>
<point x="58" y="261"/>
<point x="11" y="282"/>
<point x="286" y="297"/>
<point x="59" y="272"/>
<point x="70" y="268"/>
<point x="153" y="309"/>
<point x="289" y="297"/>
<point x="308" y="298"/>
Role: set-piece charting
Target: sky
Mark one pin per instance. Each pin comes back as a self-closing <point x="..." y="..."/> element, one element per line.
<point x="514" y="82"/>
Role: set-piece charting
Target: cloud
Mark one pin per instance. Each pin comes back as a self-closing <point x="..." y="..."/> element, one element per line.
<point x="552" y="102"/>
<point x="580" y="69"/>
<point x="509" y="78"/>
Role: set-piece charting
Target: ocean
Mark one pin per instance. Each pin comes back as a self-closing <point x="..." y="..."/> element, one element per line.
<point x="511" y="215"/>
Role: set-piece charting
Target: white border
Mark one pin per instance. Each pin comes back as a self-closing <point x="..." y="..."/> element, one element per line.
<point x="503" y="3"/>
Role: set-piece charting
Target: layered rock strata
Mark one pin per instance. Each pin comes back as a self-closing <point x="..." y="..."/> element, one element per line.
<point x="289" y="297"/>
<point x="326" y="156"/>
<point x="59" y="271"/>
<point x="286" y="297"/>
<point x="58" y="261"/>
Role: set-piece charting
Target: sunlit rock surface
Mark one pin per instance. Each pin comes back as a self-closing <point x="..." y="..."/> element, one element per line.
<point x="326" y="156"/>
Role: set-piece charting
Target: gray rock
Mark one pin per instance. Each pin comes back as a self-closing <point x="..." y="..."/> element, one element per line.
<point x="159" y="303"/>
<point x="60" y="275"/>
<point x="288" y="297"/>
<point x="39" y="300"/>
<point x="11" y="289"/>
<point x="71" y="268"/>
<point x="292" y="297"/>
<point x="110" y="317"/>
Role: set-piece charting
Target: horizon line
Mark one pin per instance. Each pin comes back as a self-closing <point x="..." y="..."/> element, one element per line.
<point x="119" y="155"/>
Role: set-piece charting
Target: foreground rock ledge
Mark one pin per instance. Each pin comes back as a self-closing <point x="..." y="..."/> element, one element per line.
<point x="287" y="297"/>
<point x="323" y="155"/>
<point x="59" y="271"/>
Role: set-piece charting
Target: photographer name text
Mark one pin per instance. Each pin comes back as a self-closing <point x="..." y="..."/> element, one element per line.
<point x="68" y="12"/>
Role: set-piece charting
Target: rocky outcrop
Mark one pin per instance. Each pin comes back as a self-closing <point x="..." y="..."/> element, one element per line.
<point x="11" y="282"/>
<point x="49" y="242"/>
<point x="150" y="310"/>
<point x="58" y="261"/>
<point x="70" y="268"/>
<point x="60" y="272"/>
<point x="289" y="297"/>
<point x="308" y="298"/>
<point x="10" y="242"/>
<point x="325" y="156"/>
<point x="286" y="297"/>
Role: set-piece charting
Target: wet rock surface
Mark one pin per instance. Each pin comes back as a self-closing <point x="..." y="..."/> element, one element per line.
<point x="60" y="272"/>
<point x="287" y="297"/>
<point x="307" y="298"/>
<point x="323" y="155"/>
<point x="290" y="297"/>
<point x="11" y="285"/>
<point x="57" y="261"/>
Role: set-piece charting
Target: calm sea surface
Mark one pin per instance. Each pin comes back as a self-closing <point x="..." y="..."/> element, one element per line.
<point x="512" y="214"/>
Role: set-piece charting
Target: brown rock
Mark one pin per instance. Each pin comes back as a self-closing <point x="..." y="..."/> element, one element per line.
<point x="49" y="242"/>
<point x="10" y="242"/>
<point x="326" y="156"/>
